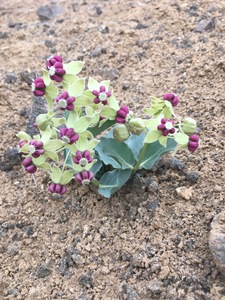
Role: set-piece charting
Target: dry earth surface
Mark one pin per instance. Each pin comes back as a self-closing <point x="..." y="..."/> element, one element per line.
<point x="147" y="241"/>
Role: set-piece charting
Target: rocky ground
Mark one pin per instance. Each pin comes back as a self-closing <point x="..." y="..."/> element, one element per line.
<point x="148" y="241"/>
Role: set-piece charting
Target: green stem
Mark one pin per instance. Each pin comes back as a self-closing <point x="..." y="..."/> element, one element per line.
<point x="136" y="167"/>
<point x="95" y="182"/>
<point x="67" y="155"/>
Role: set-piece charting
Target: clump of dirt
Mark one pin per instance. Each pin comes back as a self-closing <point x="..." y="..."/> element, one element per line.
<point x="147" y="241"/>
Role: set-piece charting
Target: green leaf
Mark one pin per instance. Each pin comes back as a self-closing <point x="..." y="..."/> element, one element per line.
<point x="52" y="91"/>
<point x="46" y="135"/>
<point x="83" y="100"/>
<point x="150" y="111"/>
<point x="68" y="79"/>
<point x="45" y="166"/>
<point x="154" y="151"/>
<point x="118" y="151"/>
<point x="96" y="166"/>
<point x="152" y="136"/>
<point x="113" y="181"/>
<point x="50" y="102"/>
<point x="113" y="102"/>
<point x="163" y="140"/>
<point x="52" y="155"/>
<point x="40" y="160"/>
<point x="58" y="121"/>
<point x="97" y="130"/>
<point x="74" y="67"/>
<point x="23" y="136"/>
<point x="73" y="115"/>
<point x="77" y="88"/>
<point x="108" y="112"/>
<point x="24" y="149"/>
<point x="82" y="124"/>
<point x="46" y="77"/>
<point x="181" y="138"/>
<point x="53" y="145"/>
<point x="106" y="159"/>
<point x="56" y="174"/>
<point x="93" y="84"/>
<point x="66" y="177"/>
<point x="135" y="143"/>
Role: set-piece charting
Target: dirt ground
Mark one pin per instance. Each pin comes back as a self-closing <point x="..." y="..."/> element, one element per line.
<point x="146" y="242"/>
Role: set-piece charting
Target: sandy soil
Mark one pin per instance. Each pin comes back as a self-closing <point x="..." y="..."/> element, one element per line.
<point x="146" y="242"/>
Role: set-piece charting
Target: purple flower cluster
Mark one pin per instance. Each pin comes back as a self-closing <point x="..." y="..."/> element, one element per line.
<point x="65" y="101"/>
<point x="55" y="67"/>
<point x="101" y="95"/>
<point x="36" y="148"/>
<point x="38" y="87"/>
<point x="166" y="126"/>
<point x="56" y="188"/>
<point x="68" y="135"/>
<point x="172" y="98"/>
<point x="193" y="143"/>
<point x="122" y="114"/>
<point x="84" y="177"/>
<point x="28" y="165"/>
<point x="83" y="158"/>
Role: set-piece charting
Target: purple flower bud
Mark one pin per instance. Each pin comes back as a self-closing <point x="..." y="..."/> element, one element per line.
<point x="193" y="143"/>
<point x="83" y="158"/>
<point x="56" y="188"/>
<point x="122" y="114"/>
<point x="101" y="95"/>
<point x="38" y="87"/>
<point x="36" y="148"/>
<point x="52" y="60"/>
<point x="84" y="177"/>
<point x="172" y="98"/>
<point x="166" y="126"/>
<point x="65" y="101"/>
<point x="28" y="165"/>
<point x="56" y="72"/>
<point x="68" y="135"/>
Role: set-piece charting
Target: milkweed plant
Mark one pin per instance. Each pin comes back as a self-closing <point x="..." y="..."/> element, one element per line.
<point x="87" y="135"/>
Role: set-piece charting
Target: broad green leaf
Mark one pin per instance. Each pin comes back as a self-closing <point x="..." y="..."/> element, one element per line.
<point x="167" y="112"/>
<point x="152" y="136"/>
<point x="113" y="181"/>
<point x="135" y="143"/>
<point x="58" y="121"/>
<point x="181" y="138"/>
<point x="163" y="140"/>
<point x="46" y="77"/>
<point x="40" y="160"/>
<point x="151" y="124"/>
<point x="46" y="135"/>
<point x="82" y="124"/>
<point x="92" y="144"/>
<point x="52" y="91"/>
<point x="45" y="166"/>
<point x="108" y="112"/>
<point x="106" y="159"/>
<point x="53" y="145"/>
<point x="77" y="88"/>
<point x="82" y="100"/>
<point x="56" y="174"/>
<point x="113" y="102"/>
<point x="118" y="151"/>
<point x="93" y="84"/>
<point x="50" y="102"/>
<point x="81" y="144"/>
<point x="154" y="151"/>
<point x="66" y="177"/>
<point x="52" y="155"/>
<point x="150" y="111"/>
<point x="73" y="116"/>
<point x="68" y="79"/>
<point x="96" y="166"/>
<point x="74" y="67"/>
<point x="23" y="136"/>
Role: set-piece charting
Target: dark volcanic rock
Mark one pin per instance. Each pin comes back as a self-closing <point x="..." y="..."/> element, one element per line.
<point x="205" y="25"/>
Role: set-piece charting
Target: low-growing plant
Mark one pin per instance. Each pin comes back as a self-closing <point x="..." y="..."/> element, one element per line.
<point x="88" y="136"/>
